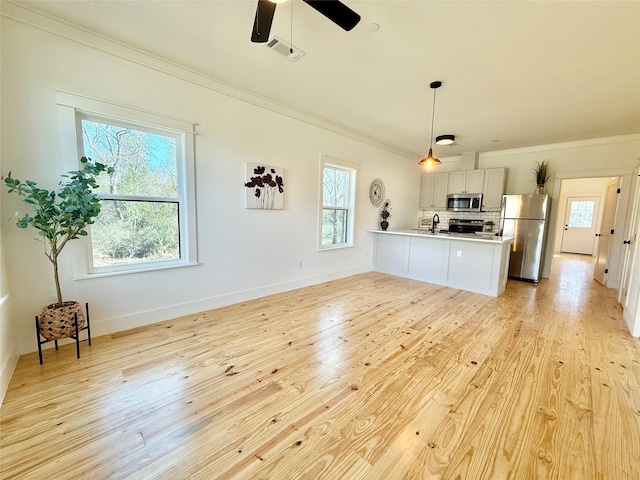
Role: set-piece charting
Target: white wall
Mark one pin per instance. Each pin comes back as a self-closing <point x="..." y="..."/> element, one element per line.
<point x="8" y="340"/>
<point x="243" y="253"/>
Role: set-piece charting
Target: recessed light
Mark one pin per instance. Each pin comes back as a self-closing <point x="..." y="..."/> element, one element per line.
<point x="445" y="139"/>
<point x="374" y="27"/>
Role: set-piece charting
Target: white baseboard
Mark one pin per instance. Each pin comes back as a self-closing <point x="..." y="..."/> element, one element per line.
<point x="105" y="326"/>
<point x="8" y="367"/>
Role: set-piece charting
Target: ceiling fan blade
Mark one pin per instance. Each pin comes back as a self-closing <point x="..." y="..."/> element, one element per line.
<point x="336" y="11"/>
<point x="262" y="22"/>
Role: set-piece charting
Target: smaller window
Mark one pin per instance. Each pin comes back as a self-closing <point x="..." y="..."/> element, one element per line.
<point x="338" y="205"/>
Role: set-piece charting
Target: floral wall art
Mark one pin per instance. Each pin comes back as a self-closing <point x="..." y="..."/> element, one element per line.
<point x="264" y="187"/>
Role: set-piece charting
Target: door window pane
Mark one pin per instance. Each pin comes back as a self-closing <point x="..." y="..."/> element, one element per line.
<point x="581" y="215"/>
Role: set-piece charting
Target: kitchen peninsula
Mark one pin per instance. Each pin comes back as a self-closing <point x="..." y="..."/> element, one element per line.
<point x="469" y="262"/>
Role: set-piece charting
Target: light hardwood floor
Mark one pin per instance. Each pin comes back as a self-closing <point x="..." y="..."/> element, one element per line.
<point x="368" y="377"/>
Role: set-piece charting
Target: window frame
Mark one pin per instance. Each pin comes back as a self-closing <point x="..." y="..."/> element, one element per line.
<point x="352" y="170"/>
<point x="72" y="110"/>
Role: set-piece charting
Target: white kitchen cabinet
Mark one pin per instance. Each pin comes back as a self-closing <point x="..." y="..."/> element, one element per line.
<point x="466" y="181"/>
<point x="433" y="190"/>
<point x="493" y="189"/>
<point x="478" y="265"/>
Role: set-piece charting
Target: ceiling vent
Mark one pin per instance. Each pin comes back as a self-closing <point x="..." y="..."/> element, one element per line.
<point x="285" y="49"/>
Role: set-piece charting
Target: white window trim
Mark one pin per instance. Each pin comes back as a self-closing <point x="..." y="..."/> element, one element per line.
<point x="70" y="106"/>
<point x="352" y="168"/>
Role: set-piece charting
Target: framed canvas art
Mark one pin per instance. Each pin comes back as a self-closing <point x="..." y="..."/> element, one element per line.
<point x="264" y="187"/>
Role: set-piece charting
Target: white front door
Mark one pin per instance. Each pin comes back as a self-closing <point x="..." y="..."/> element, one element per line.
<point x="580" y="222"/>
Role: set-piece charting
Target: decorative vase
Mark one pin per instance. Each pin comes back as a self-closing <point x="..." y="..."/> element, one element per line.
<point x="540" y="189"/>
<point x="58" y="322"/>
<point x="384" y="224"/>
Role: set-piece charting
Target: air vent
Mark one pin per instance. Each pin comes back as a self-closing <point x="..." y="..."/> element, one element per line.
<point x="285" y="49"/>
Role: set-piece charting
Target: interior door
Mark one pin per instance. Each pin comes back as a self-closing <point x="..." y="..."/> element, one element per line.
<point x="631" y="284"/>
<point x="626" y="297"/>
<point x="605" y="236"/>
<point x="581" y="219"/>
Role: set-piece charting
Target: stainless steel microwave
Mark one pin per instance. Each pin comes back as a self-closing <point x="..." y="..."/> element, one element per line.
<point x="464" y="202"/>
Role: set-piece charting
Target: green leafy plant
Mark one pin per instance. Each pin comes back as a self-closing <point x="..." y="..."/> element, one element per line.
<point x="63" y="215"/>
<point x="542" y="173"/>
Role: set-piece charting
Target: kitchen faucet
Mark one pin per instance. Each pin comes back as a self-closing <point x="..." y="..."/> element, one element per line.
<point x="434" y="221"/>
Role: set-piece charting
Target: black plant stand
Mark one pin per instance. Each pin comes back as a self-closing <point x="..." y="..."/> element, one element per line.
<point x="76" y="337"/>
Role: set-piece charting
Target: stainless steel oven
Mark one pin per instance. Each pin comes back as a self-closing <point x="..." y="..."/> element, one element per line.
<point x="464" y="202"/>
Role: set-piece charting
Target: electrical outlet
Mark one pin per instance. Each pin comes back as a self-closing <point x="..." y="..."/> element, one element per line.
<point x="53" y="298"/>
<point x="366" y="253"/>
<point x="299" y="264"/>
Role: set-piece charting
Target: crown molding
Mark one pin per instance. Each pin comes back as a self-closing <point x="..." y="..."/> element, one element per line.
<point x="69" y="31"/>
<point x="592" y="142"/>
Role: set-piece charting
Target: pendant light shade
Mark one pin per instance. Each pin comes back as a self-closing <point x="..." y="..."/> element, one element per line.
<point x="430" y="160"/>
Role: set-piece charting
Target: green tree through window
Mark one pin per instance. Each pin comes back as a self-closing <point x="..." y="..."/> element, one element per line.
<point x="139" y="219"/>
<point x="338" y="186"/>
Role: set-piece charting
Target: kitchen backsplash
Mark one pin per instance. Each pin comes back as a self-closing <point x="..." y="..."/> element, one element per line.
<point x="445" y="215"/>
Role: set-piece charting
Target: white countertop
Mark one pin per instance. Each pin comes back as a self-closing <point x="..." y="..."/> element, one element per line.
<point x="447" y="236"/>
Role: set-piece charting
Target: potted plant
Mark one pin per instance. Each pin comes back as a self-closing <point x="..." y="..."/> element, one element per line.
<point x="488" y="226"/>
<point x="384" y="213"/>
<point x="542" y="175"/>
<point x="60" y="216"/>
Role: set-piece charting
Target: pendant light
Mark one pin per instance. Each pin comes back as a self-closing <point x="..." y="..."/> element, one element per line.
<point x="430" y="160"/>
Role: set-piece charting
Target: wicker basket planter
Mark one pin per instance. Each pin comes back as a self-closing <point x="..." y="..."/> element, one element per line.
<point x="58" y="322"/>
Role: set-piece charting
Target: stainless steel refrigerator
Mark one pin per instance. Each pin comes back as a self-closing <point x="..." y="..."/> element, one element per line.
<point x="524" y="217"/>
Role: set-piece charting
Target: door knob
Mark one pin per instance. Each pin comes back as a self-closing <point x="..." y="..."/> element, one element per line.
<point x="598" y="235"/>
<point x="627" y="242"/>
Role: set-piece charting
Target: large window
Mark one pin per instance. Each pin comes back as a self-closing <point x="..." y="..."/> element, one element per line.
<point x="139" y="220"/>
<point x="146" y="219"/>
<point x="338" y="202"/>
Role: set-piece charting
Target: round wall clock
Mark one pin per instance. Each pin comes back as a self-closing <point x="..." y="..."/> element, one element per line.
<point x="376" y="192"/>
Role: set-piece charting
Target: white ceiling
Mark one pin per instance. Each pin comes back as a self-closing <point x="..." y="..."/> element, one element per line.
<point x="514" y="73"/>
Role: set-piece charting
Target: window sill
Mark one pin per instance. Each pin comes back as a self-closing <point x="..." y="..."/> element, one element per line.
<point x="335" y="247"/>
<point x="133" y="270"/>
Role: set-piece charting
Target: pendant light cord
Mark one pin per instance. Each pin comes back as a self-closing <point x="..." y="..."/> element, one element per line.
<point x="291" y="32"/>
<point x="433" y="114"/>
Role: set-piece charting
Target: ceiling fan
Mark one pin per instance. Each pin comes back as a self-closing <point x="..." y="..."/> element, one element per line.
<point x="334" y="10"/>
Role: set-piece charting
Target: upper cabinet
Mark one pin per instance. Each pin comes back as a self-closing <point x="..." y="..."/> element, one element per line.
<point x="433" y="190"/>
<point x="490" y="182"/>
<point x="466" y="181"/>
<point x="493" y="188"/>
